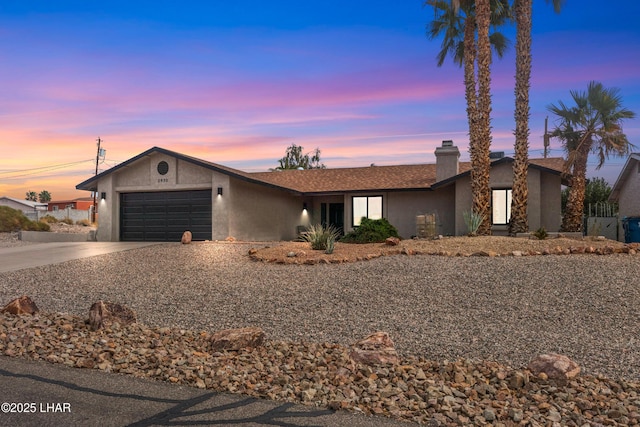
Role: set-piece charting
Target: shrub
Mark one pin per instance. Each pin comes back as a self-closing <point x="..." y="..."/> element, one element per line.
<point x="371" y="231"/>
<point x="472" y="220"/>
<point x="67" y="221"/>
<point x="49" y="219"/>
<point x="319" y="236"/>
<point x="38" y="226"/>
<point x="83" y="222"/>
<point x="541" y="233"/>
<point x="14" y="220"/>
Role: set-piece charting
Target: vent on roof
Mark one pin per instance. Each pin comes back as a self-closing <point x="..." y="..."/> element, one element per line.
<point x="447" y="143"/>
<point x="496" y="154"/>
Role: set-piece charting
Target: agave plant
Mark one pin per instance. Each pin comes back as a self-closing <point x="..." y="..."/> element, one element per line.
<point x="320" y="236"/>
<point x="473" y="221"/>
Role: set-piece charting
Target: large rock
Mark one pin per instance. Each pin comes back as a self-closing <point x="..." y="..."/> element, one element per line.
<point x="236" y="339"/>
<point x="22" y="305"/>
<point x="186" y="237"/>
<point x="392" y="241"/>
<point x="103" y="313"/>
<point x="554" y="366"/>
<point x="376" y="349"/>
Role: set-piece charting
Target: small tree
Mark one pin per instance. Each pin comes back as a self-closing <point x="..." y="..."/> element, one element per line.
<point x="32" y="196"/>
<point x="295" y="159"/>
<point x="597" y="190"/>
<point x="44" y="196"/>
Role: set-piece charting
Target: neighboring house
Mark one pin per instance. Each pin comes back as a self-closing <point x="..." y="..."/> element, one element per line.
<point x="626" y="191"/>
<point x="81" y="204"/>
<point x="159" y="194"/>
<point x="26" y="206"/>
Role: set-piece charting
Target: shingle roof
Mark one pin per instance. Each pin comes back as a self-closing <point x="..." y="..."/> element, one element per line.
<point x="317" y="181"/>
<point x="375" y="178"/>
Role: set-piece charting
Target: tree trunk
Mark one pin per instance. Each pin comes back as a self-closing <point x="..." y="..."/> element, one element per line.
<point x="572" y="219"/>
<point x="519" y="222"/>
<point x="480" y="161"/>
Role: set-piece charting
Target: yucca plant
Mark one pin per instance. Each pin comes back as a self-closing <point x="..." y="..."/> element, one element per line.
<point x="319" y="236"/>
<point x="331" y="244"/>
<point x="472" y="221"/>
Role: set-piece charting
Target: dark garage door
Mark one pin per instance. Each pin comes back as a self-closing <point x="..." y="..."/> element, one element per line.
<point x="164" y="216"/>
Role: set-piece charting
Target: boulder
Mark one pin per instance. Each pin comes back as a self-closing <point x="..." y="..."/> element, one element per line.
<point x="392" y="241"/>
<point x="554" y="366"/>
<point x="22" y="305"/>
<point x="236" y="339"/>
<point x="376" y="349"/>
<point x="104" y="313"/>
<point x="186" y="237"/>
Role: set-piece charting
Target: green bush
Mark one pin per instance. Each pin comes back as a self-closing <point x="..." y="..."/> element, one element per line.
<point x="541" y="233"/>
<point x="320" y="237"/>
<point x="14" y="220"/>
<point x="49" y="219"/>
<point x="67" y="221"/>
<point x="371" y="231"/>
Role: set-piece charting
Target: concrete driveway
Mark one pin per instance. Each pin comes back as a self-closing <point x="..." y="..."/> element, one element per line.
<point x="39" y="254"/>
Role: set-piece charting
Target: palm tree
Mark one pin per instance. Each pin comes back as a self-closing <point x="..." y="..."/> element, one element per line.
<point x="594" y="124"/>
<point x="32" y="196"/>
<point x="456" y="20"/>
<point x="480" y="162"/>
<point x="522" y="10"/>
<point x="44" y="196"/>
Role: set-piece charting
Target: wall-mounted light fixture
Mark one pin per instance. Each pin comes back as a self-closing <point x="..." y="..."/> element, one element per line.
<point x="103" y="196"/>
<point x="219" y="191"/>
<point x="304" y="206"/>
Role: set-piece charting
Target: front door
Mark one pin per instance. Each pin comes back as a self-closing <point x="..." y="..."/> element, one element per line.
<point x="336" y="216"/>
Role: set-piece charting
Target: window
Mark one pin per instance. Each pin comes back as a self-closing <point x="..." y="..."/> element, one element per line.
<point x="368" y="207"/>
<point x="501" y="206"/>
<point x="55" y="208"/>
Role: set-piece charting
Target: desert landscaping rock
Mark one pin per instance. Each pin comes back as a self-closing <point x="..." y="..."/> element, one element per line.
<point x="464" y="328"/>
<point x="19" y="306"/>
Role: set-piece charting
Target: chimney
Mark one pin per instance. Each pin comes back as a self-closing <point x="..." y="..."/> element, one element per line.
<point x="447" y="160"/>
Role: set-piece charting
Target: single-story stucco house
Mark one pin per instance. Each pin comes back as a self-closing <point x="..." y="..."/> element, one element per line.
<point x="159" y="194"/>
<point x="26" y="206"/>
<point x="626" y="191"/>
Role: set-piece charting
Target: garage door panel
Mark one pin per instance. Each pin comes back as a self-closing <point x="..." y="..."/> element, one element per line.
<point x="164" y="216"/>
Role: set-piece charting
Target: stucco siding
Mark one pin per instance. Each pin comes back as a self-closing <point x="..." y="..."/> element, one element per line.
<point x="550" y="203"/>
<point x="262" y="214"/>
<point x="189" y="174"/>
<point x="403" y="207"/>
<point x="629" y="198"/>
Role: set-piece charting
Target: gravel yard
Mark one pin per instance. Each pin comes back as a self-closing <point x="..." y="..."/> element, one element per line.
<point x="506" y="309"/>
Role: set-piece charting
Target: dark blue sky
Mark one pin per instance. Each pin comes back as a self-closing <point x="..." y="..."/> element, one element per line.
<point x="236" y="82"/>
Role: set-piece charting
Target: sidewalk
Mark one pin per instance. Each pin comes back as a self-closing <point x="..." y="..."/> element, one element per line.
<point x="57" y="395"/>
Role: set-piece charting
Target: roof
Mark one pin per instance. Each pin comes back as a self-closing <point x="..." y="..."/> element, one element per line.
<point x="553" y="165"/>
<point x="78" y="199"/>
<point x="624" y="175"/>
<point x="339" y="180"/>
<point x="91" y="184"/>
<point x="27" y="203"/>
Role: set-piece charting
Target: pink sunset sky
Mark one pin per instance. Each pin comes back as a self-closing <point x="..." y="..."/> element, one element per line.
<point x="236" y="84"/>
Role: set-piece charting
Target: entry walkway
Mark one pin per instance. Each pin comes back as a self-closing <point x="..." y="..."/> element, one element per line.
<point x="39" y="254"/>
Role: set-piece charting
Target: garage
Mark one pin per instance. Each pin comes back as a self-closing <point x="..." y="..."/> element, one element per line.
<point x="165" y="215"/>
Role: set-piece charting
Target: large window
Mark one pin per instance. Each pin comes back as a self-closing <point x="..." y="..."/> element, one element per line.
<point x="368" y="207"/>
<point x="501" y="206"/>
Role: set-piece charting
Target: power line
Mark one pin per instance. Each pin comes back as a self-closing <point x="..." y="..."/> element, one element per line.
<point x="36" y="171"/>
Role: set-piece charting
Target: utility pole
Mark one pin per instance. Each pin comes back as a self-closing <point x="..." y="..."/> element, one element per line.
<point x="546" y="138"/>
<point x="95" y="193"/>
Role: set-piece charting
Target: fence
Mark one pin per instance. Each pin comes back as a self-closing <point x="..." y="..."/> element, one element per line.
<point x="602" y="220"/>
<point x="68" y="213"/>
